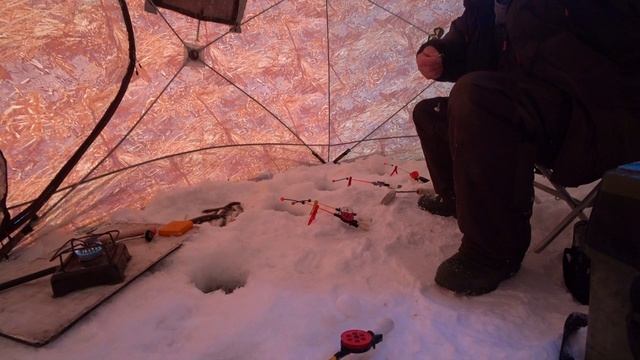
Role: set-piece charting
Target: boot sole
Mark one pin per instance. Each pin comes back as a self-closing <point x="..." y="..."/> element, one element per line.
<point x="436" y="213"/>
<point x="478" y="291"/>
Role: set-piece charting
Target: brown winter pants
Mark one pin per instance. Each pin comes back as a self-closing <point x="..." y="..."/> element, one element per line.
<point x="481" y="145"/>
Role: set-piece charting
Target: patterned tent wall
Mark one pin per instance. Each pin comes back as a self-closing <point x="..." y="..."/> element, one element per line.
<point x="302" y="76"/>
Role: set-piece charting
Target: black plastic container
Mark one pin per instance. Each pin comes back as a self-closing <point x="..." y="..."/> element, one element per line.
<point x="613" y="244"/>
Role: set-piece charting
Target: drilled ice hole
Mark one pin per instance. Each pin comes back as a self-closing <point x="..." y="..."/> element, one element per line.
<point x="220" y="271"/>
<point x="226" y="282"/>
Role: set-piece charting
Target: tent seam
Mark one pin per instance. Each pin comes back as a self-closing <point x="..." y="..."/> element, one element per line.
<point x="265" y="108"/>
<point x="398" y="16"/>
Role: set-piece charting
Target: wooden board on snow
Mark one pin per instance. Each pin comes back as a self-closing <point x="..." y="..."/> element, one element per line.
<point x="29" y="313"/>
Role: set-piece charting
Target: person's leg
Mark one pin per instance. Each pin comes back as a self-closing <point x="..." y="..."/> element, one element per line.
<point x="493" y="160"/>
<point x="493" y="147"/>
<point x="430" y="119"/>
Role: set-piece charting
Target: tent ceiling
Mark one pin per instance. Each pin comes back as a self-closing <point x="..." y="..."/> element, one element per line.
<point x="303" y="74"/>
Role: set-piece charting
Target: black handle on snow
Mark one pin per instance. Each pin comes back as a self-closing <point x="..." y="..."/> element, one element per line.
<point x="26" y="278"/>
<point x="216" y="213"/>
<point x="572" y="324"/>
<point x="30" y="213"/>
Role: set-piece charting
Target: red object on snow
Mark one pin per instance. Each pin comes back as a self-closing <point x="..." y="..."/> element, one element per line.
<point x="314" y="212"/>
<point x="356" y="340"/>
<point x="348" y="216"/>
<point x="414" y="175"/>
<point x="349" y="184"/>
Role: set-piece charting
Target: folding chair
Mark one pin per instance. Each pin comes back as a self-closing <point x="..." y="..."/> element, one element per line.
<point x="577" y="206"/>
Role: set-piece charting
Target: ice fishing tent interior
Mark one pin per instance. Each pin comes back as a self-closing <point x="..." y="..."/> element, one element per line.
<point x="136" y="112"/>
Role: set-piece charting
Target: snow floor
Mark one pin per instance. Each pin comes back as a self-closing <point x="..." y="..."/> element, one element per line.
<point x="301" y="286"/>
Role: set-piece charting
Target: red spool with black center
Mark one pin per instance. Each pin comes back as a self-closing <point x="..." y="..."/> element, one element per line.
<point x="356" y="341"/>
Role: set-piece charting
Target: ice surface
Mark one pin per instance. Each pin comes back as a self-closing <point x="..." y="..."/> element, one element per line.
<point x="304" y="285"/>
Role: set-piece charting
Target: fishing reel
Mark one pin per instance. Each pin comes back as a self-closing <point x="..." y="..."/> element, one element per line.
<point x="356" y="341"/>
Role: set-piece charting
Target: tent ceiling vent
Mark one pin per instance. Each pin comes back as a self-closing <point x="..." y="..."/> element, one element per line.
<point x="193" y="55"/>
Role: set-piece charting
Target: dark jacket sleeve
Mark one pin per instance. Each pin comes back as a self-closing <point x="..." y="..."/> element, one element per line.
<point x="453" y="49"/>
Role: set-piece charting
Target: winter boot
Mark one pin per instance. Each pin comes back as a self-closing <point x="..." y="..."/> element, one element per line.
<point x="465" y="275"/>
<point x="438" y="205"/>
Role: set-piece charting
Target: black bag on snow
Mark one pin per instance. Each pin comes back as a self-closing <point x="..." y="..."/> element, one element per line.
<point x="576" y="266"/>
<point x="633" y="319"/>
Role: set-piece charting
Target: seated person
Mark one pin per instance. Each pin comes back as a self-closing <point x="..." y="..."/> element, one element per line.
<point x="531" y="87"/>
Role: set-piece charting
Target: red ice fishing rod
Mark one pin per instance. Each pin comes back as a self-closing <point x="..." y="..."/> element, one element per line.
<point x="415" y="175"/>
<point x="357" y="341"/>
<point x="346" y="215"/>
<point x="350" y="179"/>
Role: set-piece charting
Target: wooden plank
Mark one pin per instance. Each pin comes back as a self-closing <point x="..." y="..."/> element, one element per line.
<point x="29" y="313"/>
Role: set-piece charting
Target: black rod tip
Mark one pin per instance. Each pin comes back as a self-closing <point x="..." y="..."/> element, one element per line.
<point x="318" y="157"/>
<point x="344" y="153"/>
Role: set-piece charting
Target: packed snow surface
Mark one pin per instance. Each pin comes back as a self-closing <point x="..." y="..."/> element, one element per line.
<point x="299" y="286"/>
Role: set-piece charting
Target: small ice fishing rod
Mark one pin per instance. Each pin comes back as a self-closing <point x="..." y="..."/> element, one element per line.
<point x="351" y="179"/>
<point x="346" y="215"/>
<point x="356" y="341"/>
<point x="415" y="175"/>
<point x="391" y="195"/>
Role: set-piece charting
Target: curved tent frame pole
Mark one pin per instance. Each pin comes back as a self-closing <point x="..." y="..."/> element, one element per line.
<point x="28" y="216"/>
<point x="346" y="152"/>
<point x="4" y="220"/>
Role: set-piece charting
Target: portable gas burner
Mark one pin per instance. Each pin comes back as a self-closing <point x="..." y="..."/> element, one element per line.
<point x="96" y="259"/>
